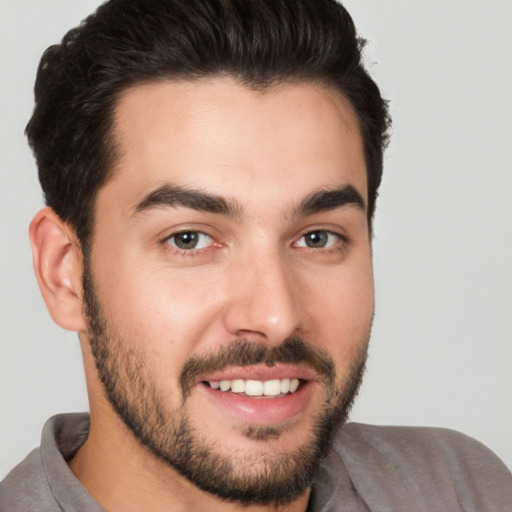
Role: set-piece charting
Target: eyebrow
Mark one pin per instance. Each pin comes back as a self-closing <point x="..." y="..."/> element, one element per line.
<point x="325" y="200"/>
<point x="168" y="195"/>
<point x="174" y="196"/>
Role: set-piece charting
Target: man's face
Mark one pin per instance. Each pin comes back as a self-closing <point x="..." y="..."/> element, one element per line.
<point x="229" y="284"/>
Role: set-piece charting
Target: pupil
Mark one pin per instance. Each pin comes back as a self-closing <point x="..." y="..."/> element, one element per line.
<point x="316" y="239"/>
<point x="186" y="240"/>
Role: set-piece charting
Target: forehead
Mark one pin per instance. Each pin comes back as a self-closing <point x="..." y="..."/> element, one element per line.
<point x="233" y="141"/>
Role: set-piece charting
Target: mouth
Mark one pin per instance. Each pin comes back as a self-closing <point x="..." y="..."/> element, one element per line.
<point x="275" y="388"/>
<point x="260" y="395"/>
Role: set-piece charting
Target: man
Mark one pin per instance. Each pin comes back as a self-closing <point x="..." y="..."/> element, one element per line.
<point x="211" y="170"/>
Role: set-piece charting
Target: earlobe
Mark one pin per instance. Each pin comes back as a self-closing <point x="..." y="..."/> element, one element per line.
<point x="57" y="261"/>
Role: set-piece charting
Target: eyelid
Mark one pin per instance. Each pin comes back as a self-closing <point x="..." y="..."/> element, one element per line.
<point x="201" y="234"/>
<point x="186" y="227"/>
<point x="335" y="230"/>
<point x="164" y="239"/>
<point x="330" y="244"/>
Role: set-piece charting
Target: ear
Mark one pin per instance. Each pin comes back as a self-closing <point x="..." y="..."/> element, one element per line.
<point x="57" y="260"/>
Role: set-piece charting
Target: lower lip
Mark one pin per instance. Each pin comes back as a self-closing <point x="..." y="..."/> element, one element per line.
<point x="262" y="410"/>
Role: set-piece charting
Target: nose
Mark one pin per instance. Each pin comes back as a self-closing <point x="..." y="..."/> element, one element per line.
<point x="263" y="301"/>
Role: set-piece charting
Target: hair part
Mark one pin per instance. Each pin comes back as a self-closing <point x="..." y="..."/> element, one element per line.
<point x="259" y="43"/>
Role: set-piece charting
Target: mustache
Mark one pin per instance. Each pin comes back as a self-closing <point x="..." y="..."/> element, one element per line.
<point x="242" y="352"/>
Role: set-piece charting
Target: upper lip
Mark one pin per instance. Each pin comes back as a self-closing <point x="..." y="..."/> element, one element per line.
<point x="262" y="372"/>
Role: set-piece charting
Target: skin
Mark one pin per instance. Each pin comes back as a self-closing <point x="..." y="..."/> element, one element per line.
<point x="253" y="277"/>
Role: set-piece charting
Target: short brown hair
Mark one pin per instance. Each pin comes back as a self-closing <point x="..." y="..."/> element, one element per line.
<point x="257" y="42"/>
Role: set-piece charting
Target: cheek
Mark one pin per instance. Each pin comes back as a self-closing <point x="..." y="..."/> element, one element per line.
<point x="169" y="312"/>
<point x="342" y="312"/>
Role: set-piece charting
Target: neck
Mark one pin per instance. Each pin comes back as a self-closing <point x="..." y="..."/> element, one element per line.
<point x="122" y="475"/>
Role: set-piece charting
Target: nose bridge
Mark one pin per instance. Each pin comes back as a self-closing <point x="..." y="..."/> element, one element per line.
<point x="264" y="302"/>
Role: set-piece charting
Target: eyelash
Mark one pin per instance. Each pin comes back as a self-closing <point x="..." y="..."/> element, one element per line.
<point x="166" y="242"/>
<point x="338" y="246"/>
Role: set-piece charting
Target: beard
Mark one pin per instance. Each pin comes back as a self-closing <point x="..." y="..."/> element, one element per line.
<point x="259" y="478"/>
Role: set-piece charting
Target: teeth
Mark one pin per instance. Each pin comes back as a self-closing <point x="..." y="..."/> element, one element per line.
<point x="253" y="387"/>
<point x="273" y="387"/>
<point x="238" y="386"/>
<point x="225" y="385"/>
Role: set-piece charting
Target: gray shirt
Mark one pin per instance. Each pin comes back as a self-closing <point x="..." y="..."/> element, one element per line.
<point x="370" y="468"/>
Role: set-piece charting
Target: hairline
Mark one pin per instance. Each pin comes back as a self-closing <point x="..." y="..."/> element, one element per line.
<point x="114" y="144"/>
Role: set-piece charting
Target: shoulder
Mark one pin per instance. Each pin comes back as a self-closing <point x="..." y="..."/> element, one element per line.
<point x="433" y="467"/>
<point x="26" y="487"/>
<point x="43" y="480"/>
<point x="443" y="446"/>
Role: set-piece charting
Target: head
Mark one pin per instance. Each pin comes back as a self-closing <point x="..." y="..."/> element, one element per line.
<point x="215" y="166"/>
<point x="259" y="44"/>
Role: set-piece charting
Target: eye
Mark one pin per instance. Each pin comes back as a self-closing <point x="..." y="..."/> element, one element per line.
<point x="320" y="239"/>
<point x="189" y="240"/>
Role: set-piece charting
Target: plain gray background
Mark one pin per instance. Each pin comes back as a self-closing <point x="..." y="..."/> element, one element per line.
<point x="441" y="349"/>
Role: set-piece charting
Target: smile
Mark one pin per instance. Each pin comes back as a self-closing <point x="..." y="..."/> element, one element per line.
<point x="259" y="395"/>
<point x="256" y="388"/>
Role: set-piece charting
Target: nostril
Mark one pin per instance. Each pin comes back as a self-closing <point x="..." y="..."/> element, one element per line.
<point x="264" y="308"/>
